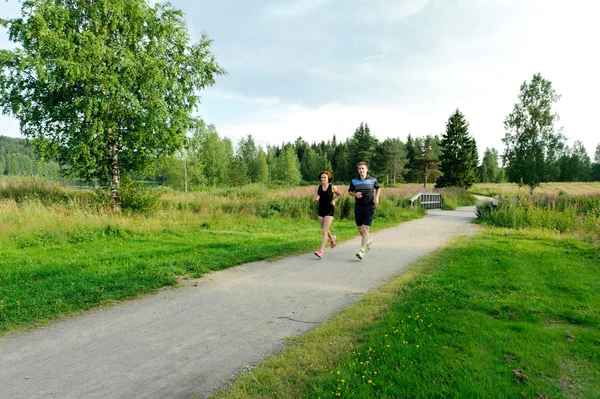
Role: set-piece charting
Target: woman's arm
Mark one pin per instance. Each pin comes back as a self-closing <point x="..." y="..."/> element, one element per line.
<point x="337" y="193"/>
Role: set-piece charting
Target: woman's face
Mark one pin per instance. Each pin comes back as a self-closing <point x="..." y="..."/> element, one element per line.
<point x="324" y="178"/>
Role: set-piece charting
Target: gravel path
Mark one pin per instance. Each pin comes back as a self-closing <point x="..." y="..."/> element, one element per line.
<point x="188" y="341"/>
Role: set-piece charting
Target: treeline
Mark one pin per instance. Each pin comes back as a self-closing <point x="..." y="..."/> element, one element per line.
<point x="209" y="160"/>
<point x="18" y="159"/>
<point x="450" y="160"/>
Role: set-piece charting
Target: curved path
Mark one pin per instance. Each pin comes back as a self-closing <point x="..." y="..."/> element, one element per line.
<point x="188" y="341"/>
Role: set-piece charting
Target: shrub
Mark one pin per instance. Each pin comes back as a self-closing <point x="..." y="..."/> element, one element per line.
<point x="137" y="197"/>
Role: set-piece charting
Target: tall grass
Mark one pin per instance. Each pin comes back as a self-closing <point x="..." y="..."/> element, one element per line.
<point x="563" y="213"/>
<point x="512" y="189"/>
<point x="47" y="193"/>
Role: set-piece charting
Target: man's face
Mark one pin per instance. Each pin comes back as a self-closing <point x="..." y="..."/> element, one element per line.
<point x="362" y="170"/>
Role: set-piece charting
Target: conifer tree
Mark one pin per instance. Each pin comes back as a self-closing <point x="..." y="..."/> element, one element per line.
<point x="458" y="161"/>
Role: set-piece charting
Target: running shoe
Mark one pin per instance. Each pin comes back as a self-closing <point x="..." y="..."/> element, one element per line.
<point x="368" y="247"/>
<point x="332" y="242"/>
<point x="361" y="254"/>
<point x="319" y="254"/>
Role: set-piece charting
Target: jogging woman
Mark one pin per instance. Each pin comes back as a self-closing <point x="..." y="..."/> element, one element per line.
<point x="324" y="196"/>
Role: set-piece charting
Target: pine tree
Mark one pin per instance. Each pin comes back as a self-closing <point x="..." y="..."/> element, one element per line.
<point x="361" y="147"/>
<point x="458" y="161"/>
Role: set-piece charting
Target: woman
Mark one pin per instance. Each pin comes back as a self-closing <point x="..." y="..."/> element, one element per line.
<point x="324" y="195"/>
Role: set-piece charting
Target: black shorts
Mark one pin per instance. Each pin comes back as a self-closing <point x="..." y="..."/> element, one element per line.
<point x="326" y="212"/>
<point x="364" y="217"/>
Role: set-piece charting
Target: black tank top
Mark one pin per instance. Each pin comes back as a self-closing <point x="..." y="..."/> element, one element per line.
<point x="325" y="198"/>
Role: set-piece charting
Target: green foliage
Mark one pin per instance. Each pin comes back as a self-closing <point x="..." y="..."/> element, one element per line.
<point x="216" y="156"/>
<point x="562" y="213"/>
<point x="313" y="163"/>
<point x="238" y="173"/>
<point x="361" y="148"/>
<point x="139" y="198"/>
<point x="17" y="159"/>
<point x="575" y="164"/>
<point x="455" y="197"/>
<point x="427" y="162"/>
<point x="107" y="86"/>
<point x="345" y="207"/>
<point x="389" y="161"/>
<point x="395" y="207"/>
<point x="286" y="168"/>
<point x="595" y="171"/>
<point x="260" y="169"/>
<point x="458" y="160"/>
<point x="532" y="142"/>
<point x="490" y="171"/>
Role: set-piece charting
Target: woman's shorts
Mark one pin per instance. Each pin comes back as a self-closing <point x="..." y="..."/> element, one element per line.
<point x="326" y="212"/>
<point x="364" y="217"/>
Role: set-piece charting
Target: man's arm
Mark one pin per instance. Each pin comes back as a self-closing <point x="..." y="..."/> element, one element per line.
<point x="352" y="190"/>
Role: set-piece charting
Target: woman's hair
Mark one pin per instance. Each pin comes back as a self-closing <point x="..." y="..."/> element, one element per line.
<point x="329" y="175"/>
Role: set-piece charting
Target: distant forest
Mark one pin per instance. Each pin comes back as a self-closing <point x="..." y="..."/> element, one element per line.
<point x="210" y="160"/>
<point x="18" y="159"/>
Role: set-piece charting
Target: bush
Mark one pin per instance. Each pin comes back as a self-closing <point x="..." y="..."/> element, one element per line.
<point x="138" y="198"/>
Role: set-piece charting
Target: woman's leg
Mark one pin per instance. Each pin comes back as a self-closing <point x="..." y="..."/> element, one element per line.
<point x="327" y="220"/>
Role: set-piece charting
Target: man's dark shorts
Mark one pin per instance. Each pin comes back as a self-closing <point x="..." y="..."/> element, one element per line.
<point x="364" y="216"/>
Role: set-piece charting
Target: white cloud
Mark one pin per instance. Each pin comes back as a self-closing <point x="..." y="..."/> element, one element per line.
<point x="375" y="11"/>
<point x="295" y="9"/>
<point x="242" y="98"/>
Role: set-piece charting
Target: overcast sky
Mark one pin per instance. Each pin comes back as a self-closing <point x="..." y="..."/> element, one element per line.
<point x="317" y="68"/>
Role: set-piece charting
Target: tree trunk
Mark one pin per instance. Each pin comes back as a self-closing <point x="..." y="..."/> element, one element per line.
<point x="185" y="176"/>
<point x="115" y="195"/>
<point x="531" y="188"/>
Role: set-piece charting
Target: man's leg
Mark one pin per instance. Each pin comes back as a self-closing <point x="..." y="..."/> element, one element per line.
<point x="364" y="236"/>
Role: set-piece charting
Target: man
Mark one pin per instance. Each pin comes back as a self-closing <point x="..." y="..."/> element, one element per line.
<point x="365" y="191"/>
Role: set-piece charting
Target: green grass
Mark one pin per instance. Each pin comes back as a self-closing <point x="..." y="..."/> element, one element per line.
<point x="503" y="314"/>
<point x="48" y="273"/>
<point x="512" y="189"/>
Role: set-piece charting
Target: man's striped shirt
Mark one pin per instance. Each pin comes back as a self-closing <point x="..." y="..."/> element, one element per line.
<point x="367" y="187"/>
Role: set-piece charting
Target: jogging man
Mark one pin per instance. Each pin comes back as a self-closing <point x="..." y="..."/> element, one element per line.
<point x="365" y="191"/>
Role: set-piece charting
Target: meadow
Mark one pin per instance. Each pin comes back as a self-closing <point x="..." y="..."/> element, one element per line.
<point x="63" y="250"/>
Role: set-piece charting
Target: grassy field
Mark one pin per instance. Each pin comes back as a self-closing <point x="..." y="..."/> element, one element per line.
<point x="503" y="314"/>
<point x="491" y="189"/>
<point x="62" y="252"/>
